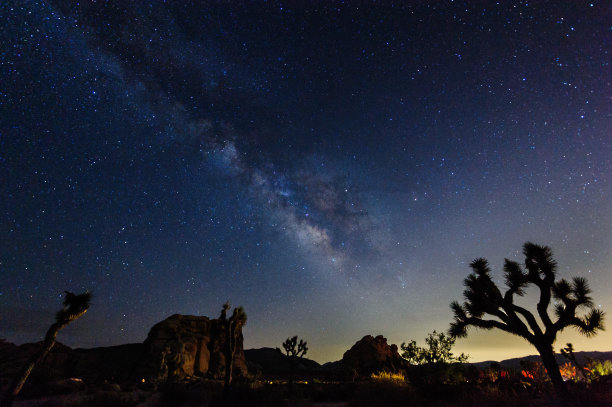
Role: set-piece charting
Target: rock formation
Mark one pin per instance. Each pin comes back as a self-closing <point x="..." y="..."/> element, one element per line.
<point x="184" y="345"/>
<point x="372" y="355"/>
<point x="176" y="348"/>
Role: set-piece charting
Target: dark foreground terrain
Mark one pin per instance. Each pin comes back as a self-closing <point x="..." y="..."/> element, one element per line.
<point x="266" y="393"/>
<point x="180" y="365"/>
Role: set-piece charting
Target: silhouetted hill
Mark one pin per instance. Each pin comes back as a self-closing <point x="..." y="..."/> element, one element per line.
<point x="515" y="363"/>
<point x="273" y="362"/>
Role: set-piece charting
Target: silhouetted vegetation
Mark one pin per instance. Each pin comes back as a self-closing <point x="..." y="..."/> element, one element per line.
<point x="75" y="306"/>
<point x="482" y="297"/>
<point x="435" y="362"/>
<point x="295" y="351"/>
<point x="438" y="350"/>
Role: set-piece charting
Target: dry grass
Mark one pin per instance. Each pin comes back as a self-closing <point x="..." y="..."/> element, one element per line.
<point x="397" y="379"/>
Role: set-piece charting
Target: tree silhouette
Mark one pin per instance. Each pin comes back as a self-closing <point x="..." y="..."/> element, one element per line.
<point x="438" y="350"/>
<point x="294" y="355"/>
<point x="233" y="327"/>
<point x="74" y="307"/>
<point x="482" y="297"/>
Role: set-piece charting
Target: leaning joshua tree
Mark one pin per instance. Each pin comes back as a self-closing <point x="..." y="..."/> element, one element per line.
<point x="74" y="307"/>
<point x="294" y="354"/>
<point x="482" y="297"/>
<point x="233" y="327"/>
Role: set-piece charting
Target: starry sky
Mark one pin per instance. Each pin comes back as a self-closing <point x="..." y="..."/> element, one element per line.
<point x="333" y="167"/>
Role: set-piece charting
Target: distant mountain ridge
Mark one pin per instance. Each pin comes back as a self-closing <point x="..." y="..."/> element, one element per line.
<point x="515" y="363"/>
<point x="271" y="359"/>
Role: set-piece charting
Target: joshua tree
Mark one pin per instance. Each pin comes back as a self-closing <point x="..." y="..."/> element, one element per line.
<point x="294" y="354"/>
<point x="482" y="297"/>
<point x="74" y="307"/>
<point x="233" y="328"/>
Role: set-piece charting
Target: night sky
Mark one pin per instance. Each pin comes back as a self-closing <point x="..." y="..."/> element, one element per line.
<point x="333" y="168"/>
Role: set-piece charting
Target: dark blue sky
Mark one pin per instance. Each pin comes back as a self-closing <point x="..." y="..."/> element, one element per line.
<point x="333" y="167"/>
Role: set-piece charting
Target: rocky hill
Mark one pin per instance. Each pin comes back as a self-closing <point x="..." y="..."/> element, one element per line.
<point x="372" y="355"/>
<point x="272" y="362"/>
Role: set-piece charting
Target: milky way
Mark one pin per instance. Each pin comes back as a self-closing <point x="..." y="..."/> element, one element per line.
<point x="333" y="168"/>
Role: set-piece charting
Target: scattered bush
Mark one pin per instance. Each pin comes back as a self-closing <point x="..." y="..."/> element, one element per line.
<point x="598" y="369"/>
<point x="397" y="379"/>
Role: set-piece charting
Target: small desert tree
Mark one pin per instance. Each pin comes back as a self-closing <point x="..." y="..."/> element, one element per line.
<point x="438" y="350"/>
<point x="74" y="307"/>
<point x="434" y="362"/>
<point x="233" y="327"/>
<point x="294" y="354"/>
<point x="482" y="297"/>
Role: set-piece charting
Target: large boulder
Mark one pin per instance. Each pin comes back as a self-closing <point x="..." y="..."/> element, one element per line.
<point x="184" y="345"/>
<point x="372" y="355"/>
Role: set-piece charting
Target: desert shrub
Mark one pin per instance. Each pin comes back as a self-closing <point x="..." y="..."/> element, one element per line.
<point x="533" y="372"/>
<point x="397" y="379"/>
<point x="596" y="369"/>
<point x="568" y="371"/>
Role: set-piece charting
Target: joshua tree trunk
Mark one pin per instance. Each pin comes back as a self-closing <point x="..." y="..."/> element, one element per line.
<point x="229" y="369"/>
<point x="552" y="367"/>
<point x="295" y="351"/>
<point x="291" y="371"/>
<point x="74" y="307"/>
<point x="34" y="360"/>
<point x="233" y="327"/>
<point x="230" y="351"/>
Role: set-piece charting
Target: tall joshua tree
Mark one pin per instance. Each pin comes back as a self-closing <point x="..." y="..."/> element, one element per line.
<point x="233" y="327"/>
<point x="74" y="307"/>
<point x="482" y="297"/>
<point x="294" y="354"/>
